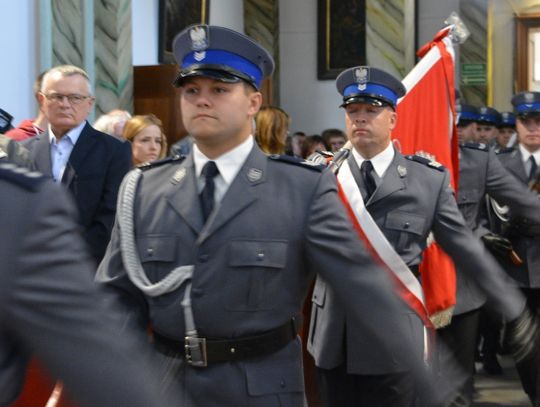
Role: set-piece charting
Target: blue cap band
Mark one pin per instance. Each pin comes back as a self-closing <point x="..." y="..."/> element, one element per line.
<point x="528" y="107"/>
<point x="468" y="116"/>
<point x="490" y="118"/>
<point x="508" y="122"/>
<point x="371" y="90"/>
<point x="220" y="57"/>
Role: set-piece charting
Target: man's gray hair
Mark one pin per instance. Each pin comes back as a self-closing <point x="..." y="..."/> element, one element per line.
<point x="65" y="71"/>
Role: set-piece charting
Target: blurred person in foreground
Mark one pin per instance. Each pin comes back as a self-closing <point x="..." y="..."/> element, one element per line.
<point x="50" y="307"/>
<point x="271" y="129"/>
<point x="145" y="134"/>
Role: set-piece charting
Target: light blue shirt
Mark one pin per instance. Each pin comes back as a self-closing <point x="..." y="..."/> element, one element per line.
<point x="61" y="150"/>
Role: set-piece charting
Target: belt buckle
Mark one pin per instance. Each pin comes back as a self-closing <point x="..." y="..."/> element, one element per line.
<point x="195" y="351"/>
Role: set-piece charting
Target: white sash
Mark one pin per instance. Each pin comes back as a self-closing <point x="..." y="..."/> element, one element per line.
<point x="380" y="244"/>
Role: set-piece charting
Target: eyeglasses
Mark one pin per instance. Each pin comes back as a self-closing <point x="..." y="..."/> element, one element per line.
<point x="73" y="99"/>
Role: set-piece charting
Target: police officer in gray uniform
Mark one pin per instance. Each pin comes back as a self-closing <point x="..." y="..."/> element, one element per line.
<point x="466" y="122"/>
<point x="51" y="308"/>
<point x="217" y="250"/>
<point x="480" y="172"/>
<point x="408" y="197"/>
<point x="523" y="162"/>
<point x="486" y="125"/>
<point x="507" y="131"/>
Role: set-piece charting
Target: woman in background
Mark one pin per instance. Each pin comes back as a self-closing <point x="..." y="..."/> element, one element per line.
<point x="145" y="133"/>
<point x="272" y="127"/>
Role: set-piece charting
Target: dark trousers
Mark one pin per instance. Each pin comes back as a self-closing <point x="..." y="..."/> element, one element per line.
<point x="528" y="370"/>
<point x="340" y="389"/>
<point x="455" y="353"/>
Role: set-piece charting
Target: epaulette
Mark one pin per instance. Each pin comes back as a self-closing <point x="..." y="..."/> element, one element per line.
<point x="297" y="161"/>
<point x="21" y="176"/>
<point x="426" y="161"/>
<point x="506" y="150"/>
<point x="475" y="146"/>
<point x="158" y="163"/>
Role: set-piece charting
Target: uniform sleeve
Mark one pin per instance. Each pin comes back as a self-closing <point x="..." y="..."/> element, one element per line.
<point x="113" y="276"/>
<point x="54" y="309"/>
<point x="470" y="255"/>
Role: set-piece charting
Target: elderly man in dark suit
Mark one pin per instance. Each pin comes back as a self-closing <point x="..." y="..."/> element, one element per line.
<point x="50" y="307"/>
<point x="523" y="163"/>
<point x="216" y="251"/>
<point x="89" y="163"/>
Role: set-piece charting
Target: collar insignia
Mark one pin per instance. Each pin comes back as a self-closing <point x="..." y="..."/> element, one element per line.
<point x="254" y="174"/>
<point x="178" y="176"/>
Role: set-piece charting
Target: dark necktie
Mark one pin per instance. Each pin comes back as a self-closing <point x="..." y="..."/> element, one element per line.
<point x="366" y="169"/>
<point x="533" y="169"/>
<point x="209" y="172"/>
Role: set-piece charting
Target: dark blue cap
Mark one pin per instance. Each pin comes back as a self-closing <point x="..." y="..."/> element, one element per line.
<point x="488" y="115"/>
<point x="220" y="53"/>
<point x="466" y="114"/>
<point x="507" y="120"/>
<point x="526" y="103"/>
<point x="363" y="84"/>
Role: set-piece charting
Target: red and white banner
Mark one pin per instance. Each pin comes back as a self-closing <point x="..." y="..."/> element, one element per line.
<point x="426" y="126"/>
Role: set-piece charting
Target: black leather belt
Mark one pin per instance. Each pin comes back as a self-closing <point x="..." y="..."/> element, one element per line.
<point x="202" y="351"/>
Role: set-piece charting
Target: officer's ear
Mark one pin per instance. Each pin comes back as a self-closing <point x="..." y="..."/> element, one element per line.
<point x="392" y="119"/>
<point x="255" y="100"/>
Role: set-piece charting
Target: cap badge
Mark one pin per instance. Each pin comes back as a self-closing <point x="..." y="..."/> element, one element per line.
<point x="361" y="76"/>
<point x="199" y="38"/>
<point x="254" y="174"/>
<point x="178" y="176"/>
<point x="483" y="110"/>
<point x="402" y="170"/>
<point x="529" y="97"/>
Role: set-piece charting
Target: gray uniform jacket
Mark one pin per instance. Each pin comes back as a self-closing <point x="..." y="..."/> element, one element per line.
<point x="277" y="225"/>
<point x="480" y="172"/>
<point x="50" y="306"/>
<point x="527" y="247"/>
<point x="406" y="206"/>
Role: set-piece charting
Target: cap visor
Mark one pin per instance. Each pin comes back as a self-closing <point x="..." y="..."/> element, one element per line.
<point x="532" y="113"/>
<point x="366" y="99"/>
<point x="207" y="73"/>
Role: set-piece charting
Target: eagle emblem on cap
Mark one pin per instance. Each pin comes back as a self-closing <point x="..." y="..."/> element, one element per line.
<point x="199" y="38"/>
<point x="361" y="77"/>
<point x="529" y="97"/>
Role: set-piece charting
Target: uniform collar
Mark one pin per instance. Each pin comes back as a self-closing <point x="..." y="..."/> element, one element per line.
<point x="525" y="154"/>
<point x="380" y="162"/>
<point x="228" y="164"/>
